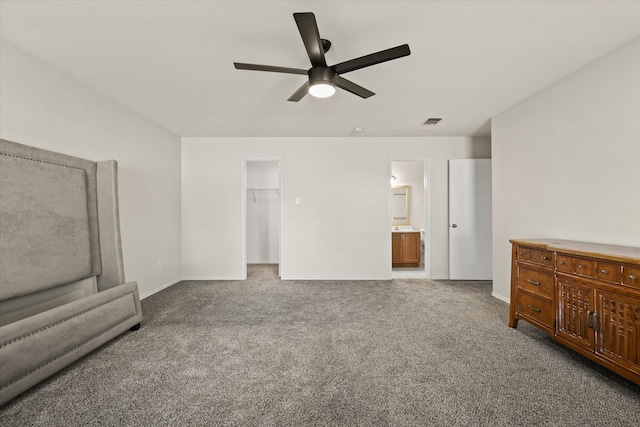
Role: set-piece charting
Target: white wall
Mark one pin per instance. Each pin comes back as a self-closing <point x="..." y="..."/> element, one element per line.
<point x="566" y="162"/>
<point x="45" y="108"/>
<point x="343" y="185"/>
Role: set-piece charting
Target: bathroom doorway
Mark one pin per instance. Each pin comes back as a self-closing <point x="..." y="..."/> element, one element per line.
<point x="262" y="210"/>
<point x="409" y="218"/>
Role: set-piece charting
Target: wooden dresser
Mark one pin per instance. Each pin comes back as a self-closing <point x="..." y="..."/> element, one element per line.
<point x="585" y="295"/>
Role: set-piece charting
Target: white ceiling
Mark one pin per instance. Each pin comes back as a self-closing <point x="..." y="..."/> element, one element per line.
<point x="172" y="61"/>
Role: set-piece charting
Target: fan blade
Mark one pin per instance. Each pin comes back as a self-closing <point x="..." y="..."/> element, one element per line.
<point x="257" y="67"/>
<point x="350" y="86"/>
<point x="300" y="93"/>
<point x="311" y="37"/>
<point x="372" y="59"/>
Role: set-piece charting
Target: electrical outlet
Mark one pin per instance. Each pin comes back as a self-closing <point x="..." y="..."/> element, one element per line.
<point x="298" y="201"/>
<point x="159" y="265"/>
<point x="340" y="258"/>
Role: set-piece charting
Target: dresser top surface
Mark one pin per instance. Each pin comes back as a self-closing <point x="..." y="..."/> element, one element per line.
<point x="596" y="250"/>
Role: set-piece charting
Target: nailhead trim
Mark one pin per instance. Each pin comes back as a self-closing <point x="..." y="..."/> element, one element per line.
<point x="74" y="348"/>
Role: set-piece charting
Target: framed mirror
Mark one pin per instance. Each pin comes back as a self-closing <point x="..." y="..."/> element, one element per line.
<point x="400" y="205"/>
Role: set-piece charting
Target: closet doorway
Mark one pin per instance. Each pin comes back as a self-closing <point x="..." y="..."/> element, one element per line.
<point x="262" y="202"/>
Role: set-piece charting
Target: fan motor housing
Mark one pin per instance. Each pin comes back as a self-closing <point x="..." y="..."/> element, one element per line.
<point x="322" y="75"/>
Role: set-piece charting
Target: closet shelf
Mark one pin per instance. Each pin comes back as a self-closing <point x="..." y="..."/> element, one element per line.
<point x="263" y="195"/>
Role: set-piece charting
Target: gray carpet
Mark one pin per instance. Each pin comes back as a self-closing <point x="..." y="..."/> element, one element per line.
<point x="266" y="352"/>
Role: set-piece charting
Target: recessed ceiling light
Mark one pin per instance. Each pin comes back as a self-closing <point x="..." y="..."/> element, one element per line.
<point x="357" y="130"/>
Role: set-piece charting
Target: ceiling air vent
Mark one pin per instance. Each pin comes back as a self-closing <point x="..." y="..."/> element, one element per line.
<point x="432" y="121"/>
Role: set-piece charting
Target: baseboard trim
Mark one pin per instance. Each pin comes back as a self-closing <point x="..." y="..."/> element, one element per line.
<point x="408" y="275"/>
<point x="210" y="279"/>
<point x="336" y="278"/>
<point x="501" y="298"/>
<point x="148" y="294"/>
<point x="155" y="291"/>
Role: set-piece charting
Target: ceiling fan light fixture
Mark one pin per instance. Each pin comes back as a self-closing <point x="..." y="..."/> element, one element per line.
<point x="322" y="90"/>
<point x="324" y="79"/>
<point x="322" y="82"/>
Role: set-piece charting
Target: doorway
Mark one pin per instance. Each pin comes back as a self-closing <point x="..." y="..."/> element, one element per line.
<point x="409" y="178"/>
<point x="262" y="211"/>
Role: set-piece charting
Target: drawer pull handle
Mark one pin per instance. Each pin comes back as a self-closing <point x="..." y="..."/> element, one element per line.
<point x="545" y="257"/>
<point x="519" y="253"/>
<point x="603" y="271"/>
<point x="581" y="267"/>
<point x="533" y="282"/>
<point x="633" y="277"/>
<point x="536" y="309"/>
<point x="562" y="263"/>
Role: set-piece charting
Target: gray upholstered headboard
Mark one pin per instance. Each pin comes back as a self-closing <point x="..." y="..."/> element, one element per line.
<point x="62" y="287"/>
<point x="51" y="208"/>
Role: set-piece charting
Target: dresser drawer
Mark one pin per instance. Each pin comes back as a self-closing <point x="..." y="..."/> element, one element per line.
<point x="608" y="272"/>
<point x="584" y="267"/>
<point x="631" y="276"/>
<point x="536" y="308"/>
<point x="587" y="268"/>
<point x="564" y="263"/>
<point x="541" y="257"/>
<point x="522" y="254"/>
<point x="538" y="282"/>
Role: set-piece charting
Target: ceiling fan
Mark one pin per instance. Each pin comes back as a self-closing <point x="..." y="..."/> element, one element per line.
<point x="322" y="78"/>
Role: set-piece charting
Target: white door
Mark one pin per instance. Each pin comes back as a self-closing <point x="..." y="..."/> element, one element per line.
<point x="470" y="244"/>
